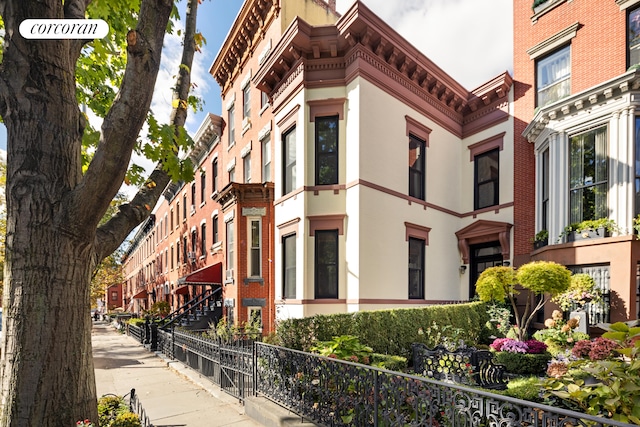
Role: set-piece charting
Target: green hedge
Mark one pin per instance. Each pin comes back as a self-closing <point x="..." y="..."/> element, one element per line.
<point x="389" y="331"/>
<point x="523" y="363"/>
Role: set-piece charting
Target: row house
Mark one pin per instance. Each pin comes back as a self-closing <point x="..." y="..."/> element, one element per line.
<point x="577" y="146"/>
<point x="392" y="181"/>
<point x="216" y="232"/>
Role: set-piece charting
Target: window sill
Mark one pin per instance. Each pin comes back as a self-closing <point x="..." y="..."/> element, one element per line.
<point x="264" y="108"/>
<point x="254" y="279"/>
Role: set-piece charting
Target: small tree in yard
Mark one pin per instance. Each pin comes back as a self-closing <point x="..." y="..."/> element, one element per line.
<point x="62" y="175"/>
<point x="545" y="279"/>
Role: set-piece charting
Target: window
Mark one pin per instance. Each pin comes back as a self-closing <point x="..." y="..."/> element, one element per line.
<point x="289" y="161"/>
<point x="203" y="187"/>
<point x="232" y="174"/>
<point x="194" y="241"/>
<point x="246" y="165"/>
<point x="633" y="41"/>
<point x="266" y="160"/>
<point x="178" y="252"/>
<point x="544" y="193"/>
<point x="185" y="249"/>
<point x="246" y="101"/>
<point x="193" y="196"/>
<point x="214" y="175"/>
<point x="254" y="249"/>
<point x="416" y="268"/>
<point x="114" y="295"/>
<point x="172" y="265"/>
<point x="232" y="126"/>
<point x="326" y="264"/>
<point x="553" y="76"/>
<point x="203" y="239"/>
<point x="326" y="150"/>
<point x="289" y="267"/>
<point x="487" y="171"/>
<point x="215" y="235"/>
<point x="264" y="100"/>
<point x="184" y="207"/>
<point x="230" y="245"/>
<point x="171" y="216"/>
<point x="416" y="167"/>
<point x="588" y="175"/>
<point x="177" y="213"/>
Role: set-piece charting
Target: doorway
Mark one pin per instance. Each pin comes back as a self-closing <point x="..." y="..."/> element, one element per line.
<point x="483" y="256"/>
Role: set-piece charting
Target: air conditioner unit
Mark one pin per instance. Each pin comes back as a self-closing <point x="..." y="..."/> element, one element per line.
<point x="229" y="274"/>
<point x="191" y="256"/>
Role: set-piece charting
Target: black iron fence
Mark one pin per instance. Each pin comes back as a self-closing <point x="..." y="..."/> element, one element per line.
<point x="333" y="392"/>
<point x="136" y="407"/>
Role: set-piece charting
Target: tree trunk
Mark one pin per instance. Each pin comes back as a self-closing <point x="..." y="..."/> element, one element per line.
<point x="52" y="244"/>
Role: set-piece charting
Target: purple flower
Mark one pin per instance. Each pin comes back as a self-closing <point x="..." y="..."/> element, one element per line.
<point x="536" y="347"/>
<point x="514" y="346"/>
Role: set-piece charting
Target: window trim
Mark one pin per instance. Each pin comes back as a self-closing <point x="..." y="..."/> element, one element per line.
<point x="335" y="157"/>
<point x="292" y="286"/>
<point x="421" y="170"/>
<point x="421" y="245"/>
<point x="288" y="187"/>
<point x="476" y="183"/>
<point x="556" y="82"/>
<point x="250" y="247"/>
<point x="317" y="266"/>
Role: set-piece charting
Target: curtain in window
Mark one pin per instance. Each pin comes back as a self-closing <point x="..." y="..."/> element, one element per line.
<point x="602" y="174"/>
<point x="576" y="174"/>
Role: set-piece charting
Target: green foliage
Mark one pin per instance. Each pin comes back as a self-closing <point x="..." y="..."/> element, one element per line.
<point x="541" y="236"/>
<point x="499" y="323"/>
<point x="136" y="321"/>
<point x="389" y="362"/>
<point x="496" y="283"/>
<point x="523" y="388"/>
<point x="387" y="331"/>
<point x="159" y="309"/>
<point x="523" y="363"/>
<point x="582" y="290"/>
<point x="114" y="412"/>
<point x="544" y="277"/>
<point x="591" y="225"/>
<point x="612" y="388"/>
<point x="344" y="347"/>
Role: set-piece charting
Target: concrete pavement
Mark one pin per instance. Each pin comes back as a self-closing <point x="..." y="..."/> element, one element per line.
<point x="169" y="398"/>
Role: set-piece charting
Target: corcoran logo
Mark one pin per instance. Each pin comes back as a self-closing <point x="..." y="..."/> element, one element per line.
<point x="64" y="28"/>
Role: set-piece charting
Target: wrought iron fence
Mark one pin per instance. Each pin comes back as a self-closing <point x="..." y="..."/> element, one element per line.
<point x="136" y="407"/>
<point x="338" y="393"/>
<point x="227" y="364"/>
<point x="135" y="332"/>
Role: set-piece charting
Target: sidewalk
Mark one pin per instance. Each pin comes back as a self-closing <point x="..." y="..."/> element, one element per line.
<point x="170" y="399"/>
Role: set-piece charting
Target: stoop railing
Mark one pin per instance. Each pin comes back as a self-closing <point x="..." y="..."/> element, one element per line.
<point x="336" y="393"/>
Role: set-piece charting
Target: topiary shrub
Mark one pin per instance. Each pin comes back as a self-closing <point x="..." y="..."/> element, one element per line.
<point x="523" y="363"/>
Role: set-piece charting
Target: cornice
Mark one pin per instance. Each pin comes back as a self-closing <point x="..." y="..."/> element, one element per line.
<point x="249" y="27"/>
<point x="334" y="55"/>
<point x="580" y="101"/>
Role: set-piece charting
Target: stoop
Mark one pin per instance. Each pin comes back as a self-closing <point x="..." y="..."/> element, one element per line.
<point x="270" y="414"/>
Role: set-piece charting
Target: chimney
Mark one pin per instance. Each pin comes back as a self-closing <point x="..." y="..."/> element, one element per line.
<point x="332" y="5"/>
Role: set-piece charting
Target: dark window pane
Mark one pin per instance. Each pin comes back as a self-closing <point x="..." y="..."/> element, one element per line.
<point x="326" y="150"/>
<point x="416" y="268"/>
<point x="326" y="264"/>
<point x="416" y="167"/>
<point x="289" y="266"/>
<point x="487" y="174"/>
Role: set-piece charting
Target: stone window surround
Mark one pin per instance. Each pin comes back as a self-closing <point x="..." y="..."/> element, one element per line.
<point x="554" y="42"/>
<point x="326" y="107"/>
<point x="417" y="231"/>
<point x="326" y="222"/>
<point x="496" y="141"/>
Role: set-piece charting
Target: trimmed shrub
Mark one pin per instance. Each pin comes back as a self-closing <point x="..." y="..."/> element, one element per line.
<point x="389" y="331"/>
<point x="523" y="363"/>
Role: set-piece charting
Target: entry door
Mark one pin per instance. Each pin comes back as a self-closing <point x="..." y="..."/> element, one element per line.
<point x="482" y="257"/>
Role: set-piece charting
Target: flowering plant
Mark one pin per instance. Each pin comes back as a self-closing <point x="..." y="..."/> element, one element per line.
<point x="582" y="290"/>
<point x="597" y="349"/>
<point x="84" y="423"/>
<point x="514" y="346"/>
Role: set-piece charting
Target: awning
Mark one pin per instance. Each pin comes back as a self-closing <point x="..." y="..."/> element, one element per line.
<point x="140" y="295"/>
<point x="210" y="275"/>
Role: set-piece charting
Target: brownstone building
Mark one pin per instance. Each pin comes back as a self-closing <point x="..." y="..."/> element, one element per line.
<point x="577" y="146"/>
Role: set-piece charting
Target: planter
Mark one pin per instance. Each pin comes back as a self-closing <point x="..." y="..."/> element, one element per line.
<point x="540" y="244"/>
<point x="576" y="236"/>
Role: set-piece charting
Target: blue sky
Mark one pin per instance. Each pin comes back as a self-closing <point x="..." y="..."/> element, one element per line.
<point x="469" y="39"/>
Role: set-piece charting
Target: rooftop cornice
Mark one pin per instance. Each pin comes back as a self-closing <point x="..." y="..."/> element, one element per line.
<point x="582" y="100"/>
<point x="206" y="136"/>
<point x="250" y="25"/>
<point x="305" y="48"/>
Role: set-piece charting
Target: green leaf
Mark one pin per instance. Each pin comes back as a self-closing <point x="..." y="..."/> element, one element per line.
<point x="620" y="327"/>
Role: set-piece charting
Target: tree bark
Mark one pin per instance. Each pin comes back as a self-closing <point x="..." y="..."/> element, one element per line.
<point x="47" y="376"/>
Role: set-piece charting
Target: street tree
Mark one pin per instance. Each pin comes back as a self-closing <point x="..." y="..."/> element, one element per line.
<point x="62" y="175"/>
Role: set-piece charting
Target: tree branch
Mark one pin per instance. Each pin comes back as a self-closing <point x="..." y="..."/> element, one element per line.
<point x="125" y="118"/>
<point x="113" y="233"/>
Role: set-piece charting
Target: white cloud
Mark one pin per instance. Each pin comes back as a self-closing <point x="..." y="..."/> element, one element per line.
<point x="470" y="40"/>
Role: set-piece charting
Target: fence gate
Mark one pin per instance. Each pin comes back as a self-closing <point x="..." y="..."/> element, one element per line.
<point x="236" y="368"/>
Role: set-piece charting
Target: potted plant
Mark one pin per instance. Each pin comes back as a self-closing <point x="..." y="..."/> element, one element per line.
<point x="541" y="239"/>
<point x="590" y="229"/>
